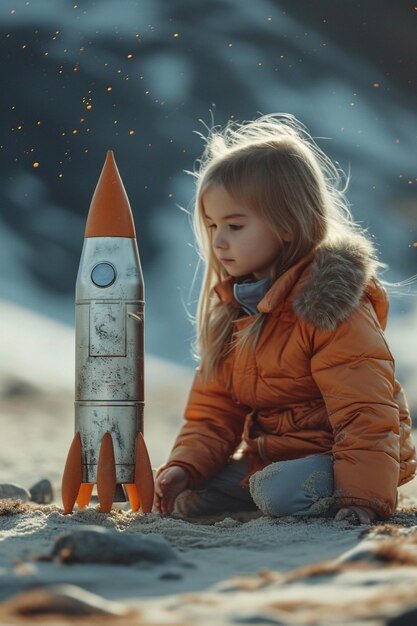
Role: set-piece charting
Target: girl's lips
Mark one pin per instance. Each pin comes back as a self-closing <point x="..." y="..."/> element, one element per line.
<point x="226" y="260"/>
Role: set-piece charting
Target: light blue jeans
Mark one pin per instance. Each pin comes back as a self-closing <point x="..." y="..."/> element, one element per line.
<point x="296" y="487"/>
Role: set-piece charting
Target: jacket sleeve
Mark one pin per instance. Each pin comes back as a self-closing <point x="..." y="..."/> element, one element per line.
<point x="212" y="430"/>
<point x="354" y="370"/>
<point x="408" y="460"/>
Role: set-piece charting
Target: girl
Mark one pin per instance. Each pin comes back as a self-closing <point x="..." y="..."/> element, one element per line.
<point x="294" y="408"/>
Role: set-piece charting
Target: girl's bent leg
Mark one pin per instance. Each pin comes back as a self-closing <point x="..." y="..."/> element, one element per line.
<point x="296" y="487"/>
<point x="221" y="494"/>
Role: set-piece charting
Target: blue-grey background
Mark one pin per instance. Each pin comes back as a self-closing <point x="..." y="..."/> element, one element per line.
<point x="79" y="78"/>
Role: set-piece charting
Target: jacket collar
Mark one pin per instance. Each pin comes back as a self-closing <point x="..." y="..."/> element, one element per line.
<point x="325" y="286"/>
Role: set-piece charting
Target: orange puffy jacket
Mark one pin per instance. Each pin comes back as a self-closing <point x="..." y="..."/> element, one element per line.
<point x="320" y="380"/>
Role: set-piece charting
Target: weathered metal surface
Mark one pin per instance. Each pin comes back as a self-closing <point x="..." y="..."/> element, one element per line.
<point x="109" y="354"/>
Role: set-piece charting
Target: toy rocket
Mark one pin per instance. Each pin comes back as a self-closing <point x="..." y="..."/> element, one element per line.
<point x="108" y="448"/>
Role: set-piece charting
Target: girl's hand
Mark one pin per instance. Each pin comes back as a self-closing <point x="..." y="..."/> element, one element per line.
<point x="168" y="485"/>
<point x="364" y="513"/>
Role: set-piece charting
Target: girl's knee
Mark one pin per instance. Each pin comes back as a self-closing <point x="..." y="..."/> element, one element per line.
<point x="293" y="487"/>
<point x="270" y="493"/>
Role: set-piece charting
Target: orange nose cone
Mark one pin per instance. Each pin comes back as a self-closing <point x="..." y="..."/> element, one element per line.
<point x="110" y="214"/>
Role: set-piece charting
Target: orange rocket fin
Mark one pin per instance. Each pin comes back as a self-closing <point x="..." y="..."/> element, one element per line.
<point x="72" y="477"/>
<point x="106" y="473"/>
<point x="110" y="214"/>
<point x="84" y="494"/>
<point x="143" y="475"/>
<point x="132" y="494"/>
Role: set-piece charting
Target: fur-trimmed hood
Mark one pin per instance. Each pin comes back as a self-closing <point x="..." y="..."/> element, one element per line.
<point x="326" y="286"/>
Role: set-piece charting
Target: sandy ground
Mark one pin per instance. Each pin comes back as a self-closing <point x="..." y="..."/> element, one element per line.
<point x="239" y="570"/>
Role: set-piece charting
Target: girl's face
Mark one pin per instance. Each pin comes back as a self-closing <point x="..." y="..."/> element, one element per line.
<point x="242" y="242"/>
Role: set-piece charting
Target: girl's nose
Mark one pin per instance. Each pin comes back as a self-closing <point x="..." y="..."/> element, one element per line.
<point x="219" y="240"/>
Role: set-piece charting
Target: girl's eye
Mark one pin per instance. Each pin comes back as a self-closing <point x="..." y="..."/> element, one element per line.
<point x="231" y="226"/>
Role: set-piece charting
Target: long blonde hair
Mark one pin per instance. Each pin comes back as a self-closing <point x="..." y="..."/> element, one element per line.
<point x="272" y="166"/>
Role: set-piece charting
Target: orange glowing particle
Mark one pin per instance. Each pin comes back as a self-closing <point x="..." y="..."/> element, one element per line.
<point x="82" y="49"/>
<point x="38" y="123"/>
<point x="176" y="35"/>
<point x="75" y="68"/>
<point x="109" y="89"/>
<point x="414" y="244"/>
<point x="75" y="131"/>
<point x="130" y="56"/>
<point x="131" y="132"/>
<point x="89" y="107"/>
<point x="82" y="119"/>
<point x="36" y="164"/>
<point x="376" y="85"/>
<point x="24" y="45"/>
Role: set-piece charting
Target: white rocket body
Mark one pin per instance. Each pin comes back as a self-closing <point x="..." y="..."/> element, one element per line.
<point x="109" y="358"/>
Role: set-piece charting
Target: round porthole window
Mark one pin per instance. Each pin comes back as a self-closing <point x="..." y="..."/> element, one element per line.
<point x="103" y="275"/>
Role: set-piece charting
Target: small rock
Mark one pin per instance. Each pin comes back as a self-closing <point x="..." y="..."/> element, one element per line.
<point x="65" y="600"/>
<point x="41" y="492"/>
<point x="94" y="544"/>
<point x="12" y="491"/>
<point x="171" y="576"/>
